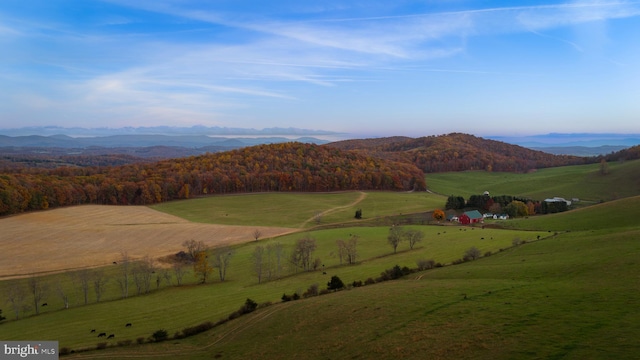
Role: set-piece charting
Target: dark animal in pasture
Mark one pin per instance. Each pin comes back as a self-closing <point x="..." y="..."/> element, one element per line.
<point x="45" y="304"/>
<point x="128" y="325"/>
<point x="115" y="263"/>
<point x="111" y="336"/>
<point x="92" y="331"/>
<point x="102" y="334"/>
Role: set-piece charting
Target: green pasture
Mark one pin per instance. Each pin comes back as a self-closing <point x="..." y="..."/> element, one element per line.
<point x="299" y="210"/>
<point x="571" y="294"/>
<point x="574" y="296"/>
<point x="584" y="182"/>
<point x="174" y="308"/>
<point x="607" y="216"/>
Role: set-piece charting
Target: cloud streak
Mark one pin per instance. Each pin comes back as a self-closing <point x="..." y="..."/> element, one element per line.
<point x="198" y="60"/>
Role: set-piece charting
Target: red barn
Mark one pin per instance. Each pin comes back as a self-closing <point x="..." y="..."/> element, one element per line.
<point x="471" y="217"/>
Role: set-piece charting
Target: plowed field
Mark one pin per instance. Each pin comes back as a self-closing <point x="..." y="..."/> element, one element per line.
<point x="93" y="235"/>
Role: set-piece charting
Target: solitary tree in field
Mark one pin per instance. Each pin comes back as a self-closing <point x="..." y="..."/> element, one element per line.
<point x="201" y="267"/>
<point x="413" y="237"/>
<point x="257" y="234"/>
<point x="395" y="237"/>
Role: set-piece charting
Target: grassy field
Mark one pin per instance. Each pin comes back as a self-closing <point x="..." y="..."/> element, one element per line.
<point x="584" y="182"/>
<point x="569" y="297"/>
<point x="572" y="294"/>
<point x="190" y="305"/>
<point x="294" y="210"/>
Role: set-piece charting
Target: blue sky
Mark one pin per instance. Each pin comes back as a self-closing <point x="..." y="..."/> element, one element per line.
<point x="368" y="68"/>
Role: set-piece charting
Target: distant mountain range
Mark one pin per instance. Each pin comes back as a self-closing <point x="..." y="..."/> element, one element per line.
<point x="200" y="139"/>
<point x="198" y="130"/>
<point x="115" y="141"/>
<point x="579" y="144"/>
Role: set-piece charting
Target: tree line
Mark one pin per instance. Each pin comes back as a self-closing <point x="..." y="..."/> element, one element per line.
<point x="274" y="167"/>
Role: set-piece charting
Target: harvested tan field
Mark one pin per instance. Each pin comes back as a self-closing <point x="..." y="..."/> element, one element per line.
<point x="94" y="235"/>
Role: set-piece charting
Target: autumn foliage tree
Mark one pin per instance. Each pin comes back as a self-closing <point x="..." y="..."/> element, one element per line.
<point x="274" y="167"/>
<point x="201" y="267"/>
<point x="438" y="215"/>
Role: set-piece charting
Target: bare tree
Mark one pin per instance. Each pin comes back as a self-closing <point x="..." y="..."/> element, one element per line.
<point x="142" y="272"/>
<point x="124" y="269"/>
<point x="317" y="217"/>
<point x="166" y="275"/>
<point x="342" y="250"/>
<point x="38" y="291"/>
<point x="16" y="295"/>
<point x="64" y="295"/>
<point x="472" y="254"/>
<point x="259" y="260"/>
<point x="221" y="258"/>
<point x="194" y="247"/>
<point x="413" y="237"/>
<point x="84" y="279"/>
<point x="179" y="270"/>
<point x="274" y="260"/>
<point x="347" y="250"/>
<point x="302" y="252"/>
<point x="147" y="268"/>
<point x="395" y="237"/>
<point x="99" y="280"/>
<point x="351" y="249"/>
<point x="256" y="234"/>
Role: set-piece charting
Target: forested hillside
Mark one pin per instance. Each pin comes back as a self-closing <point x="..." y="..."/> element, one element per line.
<point x="276" y="167"/>
<point x="458" y="152"/>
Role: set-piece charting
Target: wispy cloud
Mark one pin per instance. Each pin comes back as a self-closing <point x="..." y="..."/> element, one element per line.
<point x="225" y="58"/>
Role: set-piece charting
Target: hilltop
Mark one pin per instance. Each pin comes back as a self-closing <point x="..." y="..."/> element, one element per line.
<point x="458" y="152"/>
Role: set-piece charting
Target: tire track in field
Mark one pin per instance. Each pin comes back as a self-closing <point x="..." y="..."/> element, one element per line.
<point x="227" y="334"/>
<point x="360" y="198"/>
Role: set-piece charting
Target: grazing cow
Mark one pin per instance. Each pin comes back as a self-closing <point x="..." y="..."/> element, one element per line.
<point x="111" y="336"/>
<point x="45" y="304"/>
<point x="128" y="325"/>
<point x="102" y="334"/>
<point x="115" y="263"/>
<point x="93" y="330"/>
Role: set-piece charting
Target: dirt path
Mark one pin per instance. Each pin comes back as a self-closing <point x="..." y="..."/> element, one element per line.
<point x="356" y="202"/>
